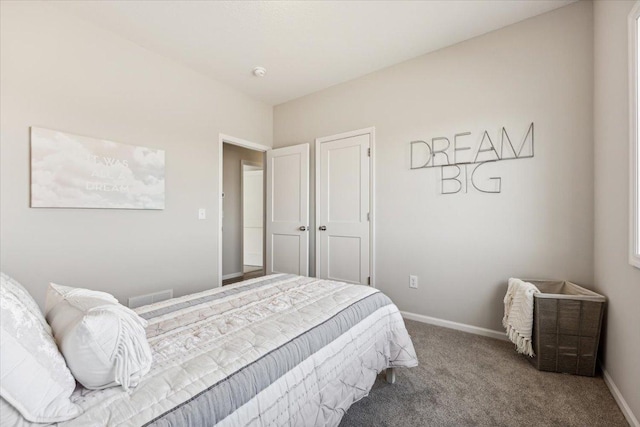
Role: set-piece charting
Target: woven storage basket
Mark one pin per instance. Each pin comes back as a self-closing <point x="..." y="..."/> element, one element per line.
<point x="566" y="327"/>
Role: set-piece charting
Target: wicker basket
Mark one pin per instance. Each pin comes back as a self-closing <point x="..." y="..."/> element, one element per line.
<point x="566" y="327"/>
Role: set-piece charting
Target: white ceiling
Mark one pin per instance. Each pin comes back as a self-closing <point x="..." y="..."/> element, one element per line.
<point x="305" y="46"/>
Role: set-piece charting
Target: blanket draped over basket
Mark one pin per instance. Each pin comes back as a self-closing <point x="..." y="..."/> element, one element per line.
<point x="518" y="314"/>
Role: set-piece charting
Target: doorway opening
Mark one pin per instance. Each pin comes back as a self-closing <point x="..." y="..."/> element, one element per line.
<point x="252" y="214"/>
<point x="242" y="218"/>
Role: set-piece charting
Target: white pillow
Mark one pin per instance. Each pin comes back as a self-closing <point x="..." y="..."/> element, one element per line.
<point x="34" y="378"/>
<point x="104" y="343"/>
<point x="25" y="299"/>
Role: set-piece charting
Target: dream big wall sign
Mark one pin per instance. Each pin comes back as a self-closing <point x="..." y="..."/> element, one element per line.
<point x="460" y="157"/>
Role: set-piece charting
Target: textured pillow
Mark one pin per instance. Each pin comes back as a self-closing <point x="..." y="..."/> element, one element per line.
<point x="103" y="342"/>
<point x="34" y="378"/>
<point x="25" y="299"/>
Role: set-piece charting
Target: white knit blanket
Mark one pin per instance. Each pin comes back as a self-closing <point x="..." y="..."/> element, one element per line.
<point x="518" y="314"/>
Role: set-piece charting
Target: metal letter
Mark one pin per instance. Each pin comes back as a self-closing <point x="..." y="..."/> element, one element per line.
<point x="425" y="165"/>
<point x="493" y="178"/>
<point x="453" y="178"/>
<point x="455" y="146"/>
<point x="443" y="151"/>
<point x="517" y="155"/>
<point x="483" y="150"/>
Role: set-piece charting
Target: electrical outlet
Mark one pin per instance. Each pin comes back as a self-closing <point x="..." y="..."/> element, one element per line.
<point x="413" y="282"/>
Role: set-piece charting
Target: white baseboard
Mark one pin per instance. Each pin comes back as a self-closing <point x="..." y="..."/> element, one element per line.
<point x="455" y="325"/>
<point x="232" y="276"/>
<point x="626" y="410"/>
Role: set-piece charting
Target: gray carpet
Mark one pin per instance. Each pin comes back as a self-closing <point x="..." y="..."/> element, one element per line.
<point x="468" y="380"/>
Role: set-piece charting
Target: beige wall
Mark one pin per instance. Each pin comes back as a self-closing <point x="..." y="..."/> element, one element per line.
<point x="465" y="247"/>
<point x="62" y="73"/>
<point x="232" y="156"/>
<point x="614" y="276"/>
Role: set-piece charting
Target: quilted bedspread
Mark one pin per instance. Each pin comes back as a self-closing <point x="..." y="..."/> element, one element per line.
<point x="277" y="350"/>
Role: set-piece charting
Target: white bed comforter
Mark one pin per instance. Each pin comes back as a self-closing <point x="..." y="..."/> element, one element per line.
<point x="277" y="350"/>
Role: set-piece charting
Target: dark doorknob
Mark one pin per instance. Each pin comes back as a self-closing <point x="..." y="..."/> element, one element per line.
<point x="322" y="228"/>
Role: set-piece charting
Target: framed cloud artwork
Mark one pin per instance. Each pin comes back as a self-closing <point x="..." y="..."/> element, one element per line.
<point x="71" y="171"/>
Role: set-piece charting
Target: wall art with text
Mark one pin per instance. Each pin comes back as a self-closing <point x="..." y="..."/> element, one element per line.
<point x="71" y="171"/>
<point x="460" y="157"/>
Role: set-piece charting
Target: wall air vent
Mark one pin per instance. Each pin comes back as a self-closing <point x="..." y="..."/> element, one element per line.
<point x="150" y="298"/>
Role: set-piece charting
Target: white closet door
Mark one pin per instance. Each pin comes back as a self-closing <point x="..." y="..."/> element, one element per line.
<point x="288" y="210"/>
<point x="342" y="235"/>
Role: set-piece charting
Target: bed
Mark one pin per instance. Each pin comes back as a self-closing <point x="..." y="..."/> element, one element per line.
<point x="276" y="350"/>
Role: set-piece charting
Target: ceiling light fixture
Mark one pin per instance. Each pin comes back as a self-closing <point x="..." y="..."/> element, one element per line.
<point x="259" y="71"/>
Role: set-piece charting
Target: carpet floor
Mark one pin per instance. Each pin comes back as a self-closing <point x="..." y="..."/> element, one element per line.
<point x="469" y="380"/>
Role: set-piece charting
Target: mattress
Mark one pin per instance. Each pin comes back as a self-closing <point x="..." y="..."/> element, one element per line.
<point x="276" y="350"/>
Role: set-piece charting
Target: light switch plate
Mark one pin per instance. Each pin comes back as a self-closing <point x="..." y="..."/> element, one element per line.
<point x="202" y="213"/>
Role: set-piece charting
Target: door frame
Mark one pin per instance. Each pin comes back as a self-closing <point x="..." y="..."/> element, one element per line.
<point x="227" y="139"/>
<point x="371" y="131"/>
<point x="244" y="163"/>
